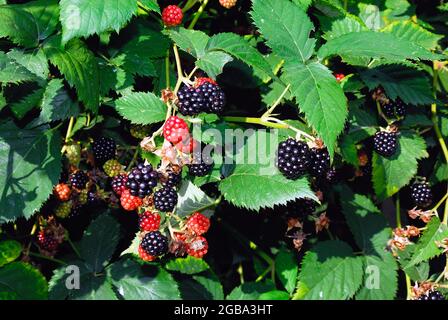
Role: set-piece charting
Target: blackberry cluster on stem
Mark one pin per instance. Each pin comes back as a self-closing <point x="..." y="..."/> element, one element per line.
<point x="104" y="149"/>
<point x="79" y="179"/>
<point x="421" y="194"/>
<point x="165" y="199"/>
<point x="293" y="158"/>
<point x="201" y="163"/>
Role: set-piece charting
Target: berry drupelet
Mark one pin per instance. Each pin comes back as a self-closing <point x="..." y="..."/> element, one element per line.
<point x="165" y="199"/>
<point x="154" y="243"/>
<point x="141" y="180"/>
<point x="421" y="194"/>
<point x="104" y="149"/>
<point x="385" y="143"/>
<point x="293" y="158"/>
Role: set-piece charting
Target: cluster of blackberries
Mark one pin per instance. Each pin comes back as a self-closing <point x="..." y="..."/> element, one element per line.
<point x="205" y="96"/>
<point x="141" y="180"/>
<point x="294" y="158"/>
<point x="395" y="109"/>
<point x="385" y="143"/>
<point x="421" y="194"/>
<point x="432" y="295"/>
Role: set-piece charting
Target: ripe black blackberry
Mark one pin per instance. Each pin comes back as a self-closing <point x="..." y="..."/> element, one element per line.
<point x="214" y="97"/>
<point x="394" y="109"/>
<point x="301" y="207"/>
<point x="432" y="295"/>
<point x="79" y="179"/>
<point x="154" y="243"/>
<point x="201" y="164"/>
<point x="191" y="101"/>
<point x="293" y="158"/>
<point x="104" y="149"/>
<point x="141" y="180"/>
<point x="421" y="194"/>
<point x="385" y="143"/>
<point x="119" y="183"/>
<point x="171" y="179"/>
<point x="319" y="162"/>
<point x="165" y="199"/>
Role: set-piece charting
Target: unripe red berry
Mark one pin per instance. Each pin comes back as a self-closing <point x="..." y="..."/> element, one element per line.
<point x="172" y="16"/>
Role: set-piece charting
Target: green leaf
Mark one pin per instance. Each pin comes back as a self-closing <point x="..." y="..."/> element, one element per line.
<point x="426" y="247"/>
<point x="79" y="66"/>
<point x="56" y="104"/>
<point x="381" y="278"/>
<point x="418" y="272"/>
<point x="330" y="272"/>
<point x="410" y="84"/>
<point x="370" y="15"/>
<point x="347" y="24"/>
<point x="23" y="281"/>
<point x="274" y="295"/>
<point x="256" y="183"/>
<point x="147" y="44"/>
<point x="192" y="199"/>
<point x="99" y="242"/>
<point x="320" y="97"/>
<point x="188" y="265"/>
<point x="287" y="268"/>
<point x="13" y="72"/>
<point x="250" y="291"/>
<point x="409" y="30"/>
<point x="193" y="42"/>
<point x="94" y="287"/>
<point x="10" y="250"/>
<point x="35" y="62"/>
<point x="349" y="151"/>
<point x="371" y="233"/>
<point x="239" y="48"/>
<point x="18" y="25"/>
<point x="151" y="5"/>
<point x="391" y="174"/>
<point x="33" y="159"/>
<point x="213" y="63"/>
<point x="46" y="16"/>
<point x="82" y="18"/>
<point x="285" y="27"/>
<point x="202" y="288"/>
<point x="365" y="44"/>
<point x="141" y="107"/>
<point x="134" y="282"/>
<point x="30" y="101"/>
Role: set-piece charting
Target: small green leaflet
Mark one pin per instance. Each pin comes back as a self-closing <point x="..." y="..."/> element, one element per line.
<point x="329" y="271"/>
<point x="391" y="174"/>
<point x="365" y="44"/>
<point x="286" y="28"/>
<point x="411" y="31"/>
<point x="320" y="97"/>
<point x="410" y="84"/>
<point x="426" y="247"/>
<point x="82" y="18"/>
<point x="79" y="67"/>
<point x="10" y="250"/>
<point x="23" y="282"/>
<point x="34" y="165"/>
<point x="141" y="107"/>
